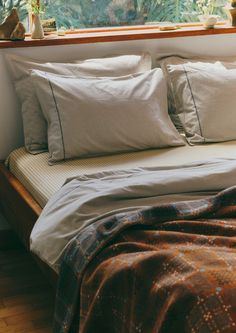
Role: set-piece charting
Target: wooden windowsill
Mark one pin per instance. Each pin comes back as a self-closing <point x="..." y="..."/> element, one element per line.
<point x="118" y="34"/>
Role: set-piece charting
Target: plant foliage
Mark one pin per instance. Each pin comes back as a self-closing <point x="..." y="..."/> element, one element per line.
<point x="96" y="13"/>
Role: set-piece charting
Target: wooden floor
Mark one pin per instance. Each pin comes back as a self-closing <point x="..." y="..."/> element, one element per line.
<point x="26" y="299"/>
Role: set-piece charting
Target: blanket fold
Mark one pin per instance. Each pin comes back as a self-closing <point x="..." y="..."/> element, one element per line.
<point x="168" y="268"/>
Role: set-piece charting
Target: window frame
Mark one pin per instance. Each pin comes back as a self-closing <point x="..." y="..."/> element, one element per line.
<point x="119" y="34"/>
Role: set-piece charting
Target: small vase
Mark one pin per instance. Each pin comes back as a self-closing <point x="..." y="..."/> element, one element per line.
<point x="208" y="21"/>
<point x="37" y="29"/>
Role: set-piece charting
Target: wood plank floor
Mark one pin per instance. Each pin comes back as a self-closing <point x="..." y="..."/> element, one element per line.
<point x="26" y="298"/>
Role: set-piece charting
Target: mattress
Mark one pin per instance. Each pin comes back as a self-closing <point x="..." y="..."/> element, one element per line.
<point x="42" y="180"/>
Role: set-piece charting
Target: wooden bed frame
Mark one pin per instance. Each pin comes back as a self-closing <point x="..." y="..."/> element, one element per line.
<point x="21" y="211"/>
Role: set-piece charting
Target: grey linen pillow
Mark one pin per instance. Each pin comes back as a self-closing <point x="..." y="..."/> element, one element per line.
<point x="35" y="126"/>
<point x="201" y="97"/>
<point x="95" y="116"/>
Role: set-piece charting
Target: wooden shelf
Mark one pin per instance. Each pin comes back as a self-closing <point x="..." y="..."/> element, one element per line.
<point x="117" y="35"/>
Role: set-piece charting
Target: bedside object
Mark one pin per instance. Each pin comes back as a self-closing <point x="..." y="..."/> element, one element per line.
<point x="11" y="28"/>
<point x="231" y="12"/>
<point x="168" y="27"/>
<point x="61" y="31"/>
<point x="37" y="29"/>
<point x="208" y="21"/>
<point x="49" y="25"/>
<point x="233" y="3"/>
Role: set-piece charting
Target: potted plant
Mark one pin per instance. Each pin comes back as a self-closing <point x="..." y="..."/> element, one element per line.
<point x="207" y="8"/>
<point x="35" y="8"/>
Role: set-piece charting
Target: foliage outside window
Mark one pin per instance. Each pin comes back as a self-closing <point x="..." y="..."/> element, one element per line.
<point x="102" y="13"/>
<point x="73" y="14"/>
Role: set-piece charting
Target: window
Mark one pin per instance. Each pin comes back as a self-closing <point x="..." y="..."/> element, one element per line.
<point x="74" y="14"/>
<point x="103" y="13"/>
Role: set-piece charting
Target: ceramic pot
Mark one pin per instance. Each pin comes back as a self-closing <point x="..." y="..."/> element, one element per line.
<point x="233" y="3"/>
<point x="208" y="20"/>
<point x="231" y="13"/>
<point x="37" y="29"/>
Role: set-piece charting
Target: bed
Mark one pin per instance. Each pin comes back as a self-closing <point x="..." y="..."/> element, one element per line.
<point x="42" y="180"/>
<point x="142" y="203"/>
<point x="26" y="171"/>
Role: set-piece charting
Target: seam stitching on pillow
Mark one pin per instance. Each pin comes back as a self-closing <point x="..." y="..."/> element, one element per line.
<point x="58" y="115"/>
<point x="172" y="110"/>
<point x="195" y="106"/>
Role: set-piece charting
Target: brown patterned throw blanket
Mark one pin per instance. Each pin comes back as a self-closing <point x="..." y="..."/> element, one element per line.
<point x="169" y="268"/>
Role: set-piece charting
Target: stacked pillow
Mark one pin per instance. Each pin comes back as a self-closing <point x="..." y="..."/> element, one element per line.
<point x="202" y="99"/>
<point x="35" y="126"/>
<point x="96" y="116"/>
<point x="93" y="107"/>
<point x="109" y="105"/>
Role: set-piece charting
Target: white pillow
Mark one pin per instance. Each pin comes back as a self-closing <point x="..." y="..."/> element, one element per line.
<point x="201" y="97"/>
<point x="89" y="116"/>
<point x="179" y="89"/>
<point x="35" y="127"/>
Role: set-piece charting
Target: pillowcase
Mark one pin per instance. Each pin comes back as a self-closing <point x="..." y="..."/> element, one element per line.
<point x="94" y="116"/>
<point x="35" y="126"/>
<point x="202" y="98"/>
<point x="166" y="61"/>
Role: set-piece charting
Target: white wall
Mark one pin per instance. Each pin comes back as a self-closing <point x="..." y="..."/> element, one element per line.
<point x="10" y="119"/>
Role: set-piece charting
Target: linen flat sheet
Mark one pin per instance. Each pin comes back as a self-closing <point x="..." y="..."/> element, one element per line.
<point x="42" y="180"/>
<point x="88" y="198"/>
